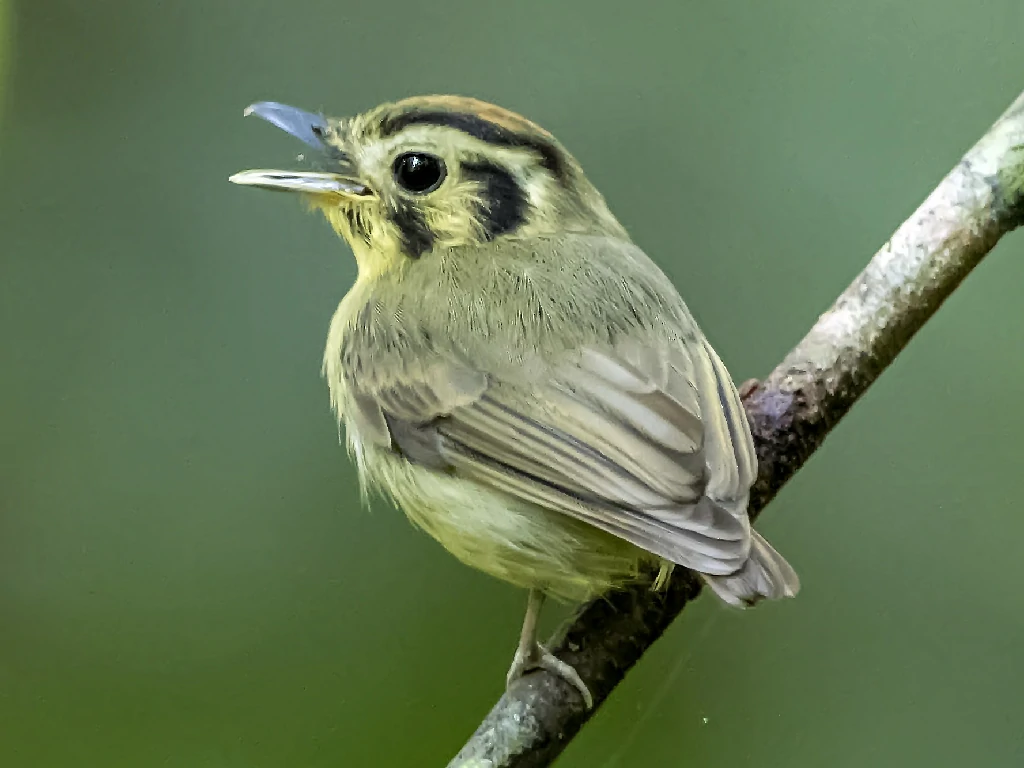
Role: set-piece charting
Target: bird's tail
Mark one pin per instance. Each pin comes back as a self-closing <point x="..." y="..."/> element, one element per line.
<point x="765" y="575"/>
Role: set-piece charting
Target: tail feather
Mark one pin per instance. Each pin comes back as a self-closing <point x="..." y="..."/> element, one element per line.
<point x="765" y="575"/>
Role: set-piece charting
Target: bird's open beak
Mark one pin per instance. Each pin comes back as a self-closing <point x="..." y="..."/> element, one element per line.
<point x="310" y="129"/>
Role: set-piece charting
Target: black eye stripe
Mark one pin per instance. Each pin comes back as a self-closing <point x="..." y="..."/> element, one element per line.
<point x="503" y="205"/>
<point x="481" y="129"/>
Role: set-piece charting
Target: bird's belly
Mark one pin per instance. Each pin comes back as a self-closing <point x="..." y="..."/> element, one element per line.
<point x="515" y="541"/>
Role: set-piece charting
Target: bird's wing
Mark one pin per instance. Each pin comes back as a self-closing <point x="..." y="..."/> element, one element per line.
<point x="648" y="443"/>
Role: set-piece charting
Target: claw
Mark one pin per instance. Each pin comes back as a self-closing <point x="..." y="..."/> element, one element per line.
<point x="747" y="388"/>
<point x="532" y="655"/>
<point x="538" y="657"/>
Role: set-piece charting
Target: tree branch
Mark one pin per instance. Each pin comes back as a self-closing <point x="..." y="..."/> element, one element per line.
<point x="790" y="414"/>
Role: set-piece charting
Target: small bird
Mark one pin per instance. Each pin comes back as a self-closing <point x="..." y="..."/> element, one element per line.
<point x="514" y="373"/>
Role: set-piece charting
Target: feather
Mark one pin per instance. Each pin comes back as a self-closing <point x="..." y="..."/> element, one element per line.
<point x="603" y="440"/>
<point x="605" y="408"/>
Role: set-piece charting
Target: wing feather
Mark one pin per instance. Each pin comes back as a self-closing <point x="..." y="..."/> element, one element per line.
<point x="646" y="442"/>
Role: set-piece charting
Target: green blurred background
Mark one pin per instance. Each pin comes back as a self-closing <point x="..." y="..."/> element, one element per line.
<point x="187" y="578"/>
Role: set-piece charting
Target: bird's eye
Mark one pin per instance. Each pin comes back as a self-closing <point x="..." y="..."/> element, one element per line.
<point x="419" y="172"/>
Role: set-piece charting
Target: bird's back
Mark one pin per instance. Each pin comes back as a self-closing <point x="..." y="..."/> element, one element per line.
<point x="512" y="307"/>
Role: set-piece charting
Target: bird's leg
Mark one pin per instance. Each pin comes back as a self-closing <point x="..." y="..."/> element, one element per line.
<point x="532" y="655"/>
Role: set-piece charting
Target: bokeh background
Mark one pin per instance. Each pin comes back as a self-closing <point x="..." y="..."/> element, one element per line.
<point x="187" y="578"/>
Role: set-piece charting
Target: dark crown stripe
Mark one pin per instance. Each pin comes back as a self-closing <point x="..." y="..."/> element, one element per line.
<point x="478" y="128"/>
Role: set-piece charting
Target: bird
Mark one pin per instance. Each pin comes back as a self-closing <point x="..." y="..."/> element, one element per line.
<point x="514" y="373"/>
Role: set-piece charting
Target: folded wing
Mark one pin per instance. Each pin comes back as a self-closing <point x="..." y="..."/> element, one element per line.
<point x="648" y="443"/>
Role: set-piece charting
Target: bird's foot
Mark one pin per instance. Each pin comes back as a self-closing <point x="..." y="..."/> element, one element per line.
<point x="747" y="388"/>
<point x="535" y="656"/>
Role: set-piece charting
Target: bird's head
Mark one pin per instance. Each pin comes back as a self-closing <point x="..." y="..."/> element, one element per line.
<point x="420" y="176"/>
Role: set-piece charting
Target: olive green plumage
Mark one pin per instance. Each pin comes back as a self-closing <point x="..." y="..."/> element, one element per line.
<point x="517" y="375"/>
